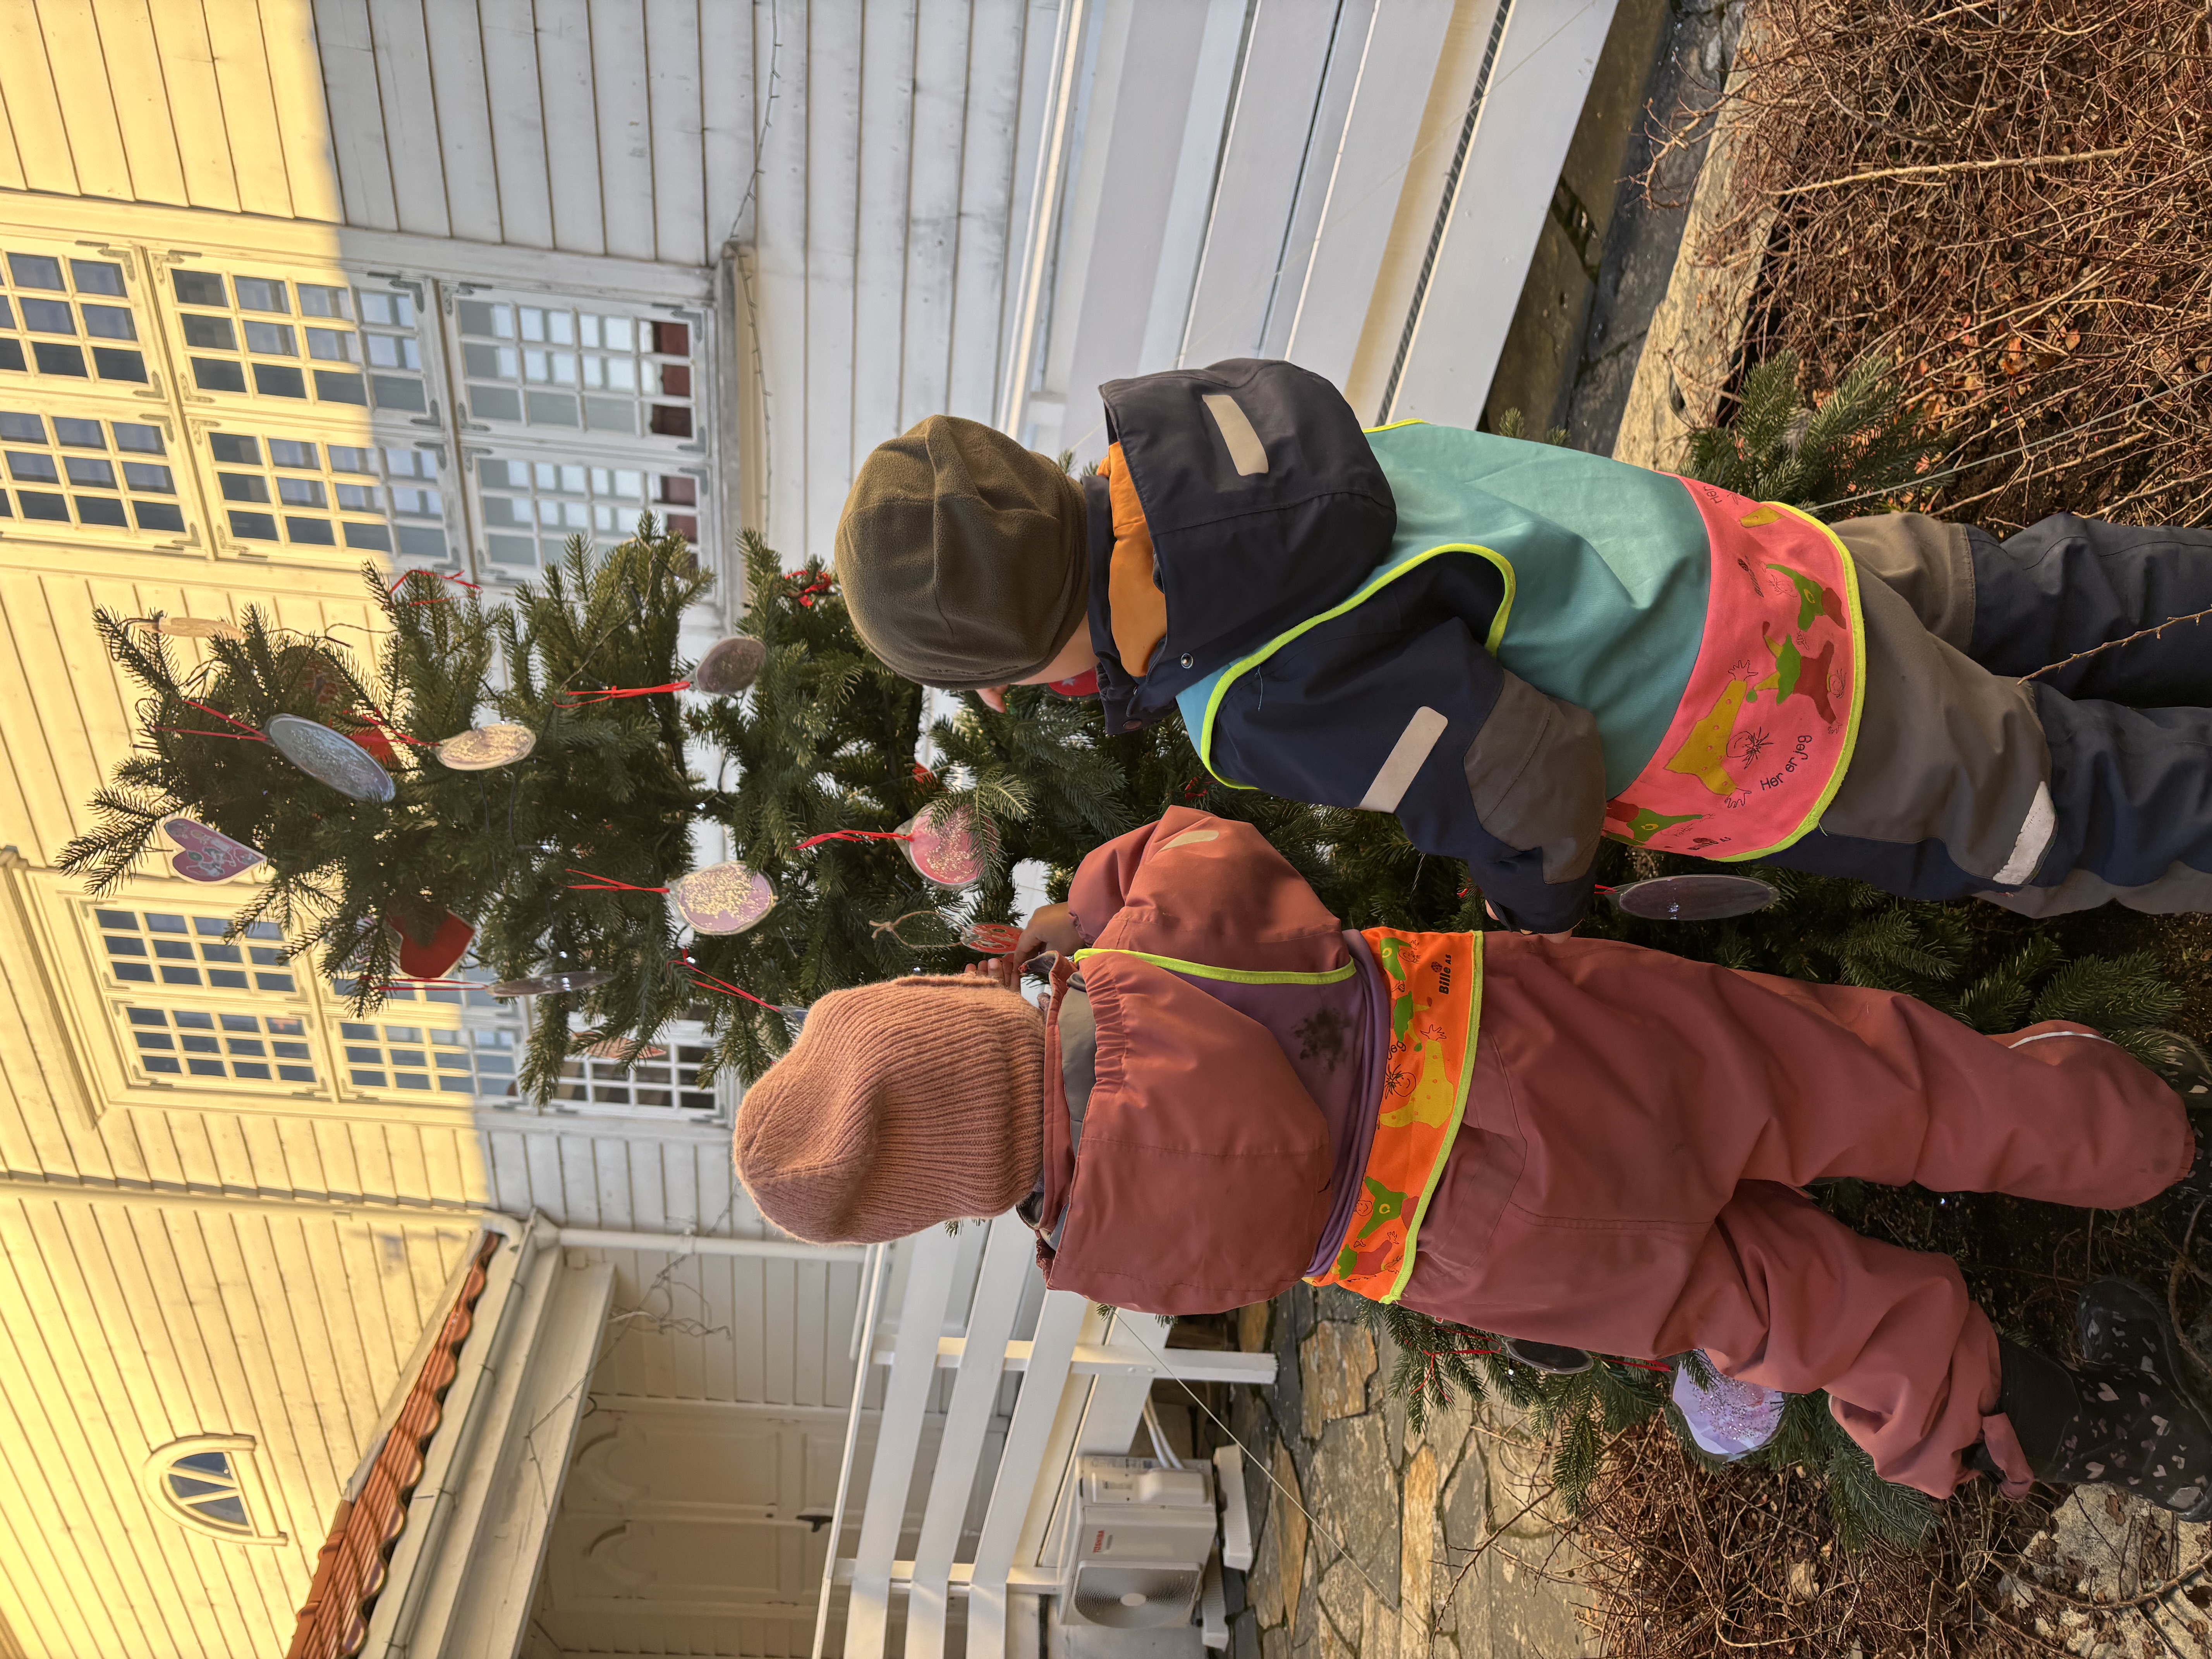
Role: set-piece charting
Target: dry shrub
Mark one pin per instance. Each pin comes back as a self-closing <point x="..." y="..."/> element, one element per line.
<point x="1684" y="1562"/>
<point x="2024" y="300"/>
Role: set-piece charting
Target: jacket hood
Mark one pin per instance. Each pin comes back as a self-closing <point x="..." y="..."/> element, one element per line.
<point x="1266" y="505"/>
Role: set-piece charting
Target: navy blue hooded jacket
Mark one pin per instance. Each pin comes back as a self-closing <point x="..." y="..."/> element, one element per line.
<point x="1268" y="509"/>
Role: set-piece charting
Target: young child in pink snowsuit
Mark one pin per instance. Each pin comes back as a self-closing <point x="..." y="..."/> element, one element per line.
<point x="1579" y="1142"/>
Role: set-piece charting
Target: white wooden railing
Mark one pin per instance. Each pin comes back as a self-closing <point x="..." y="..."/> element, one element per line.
<point x="1084" y="1375"/>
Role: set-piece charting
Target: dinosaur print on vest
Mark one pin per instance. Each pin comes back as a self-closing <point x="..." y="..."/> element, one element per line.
<point x="1792" y="677"/>
<point x="1381" y="1204"/>
<point x="1640" y="823"/>
<point x="1708" y="745"/>
<point x="1434" y="1097"/>
<point x="1402" y="1008"/>
<point x="1813" y="598"/>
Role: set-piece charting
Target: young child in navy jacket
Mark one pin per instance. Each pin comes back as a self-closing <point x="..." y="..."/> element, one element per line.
<point x="1519" y="649"/>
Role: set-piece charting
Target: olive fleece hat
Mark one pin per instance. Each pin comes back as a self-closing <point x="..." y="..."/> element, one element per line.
<point x="903" y="1104"/>
<point x="962" y="556"/>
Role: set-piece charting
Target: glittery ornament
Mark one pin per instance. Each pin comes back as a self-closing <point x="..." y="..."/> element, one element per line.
<point x="723" y="898"/>
<point x="205" y="854"/>
<point x="729" y="666"/>
<point x="331" y="758"/>
<point x="993" y="939"/>
<point x="945" y="846"/>
<point x="481" y="748"/>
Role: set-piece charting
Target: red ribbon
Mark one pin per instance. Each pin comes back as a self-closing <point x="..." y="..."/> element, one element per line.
<point x="721" y="985"/>
<point x="442" y="575"/>
<point x="851" y="835"/>
<point x="579" y="699"/>
<point x="386" y="727"/>
<point x="598" y="884"/>
<point x="206" y="708"/>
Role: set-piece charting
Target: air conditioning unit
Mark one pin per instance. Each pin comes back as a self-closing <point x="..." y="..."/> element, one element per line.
<point x="1135" y="1552"/>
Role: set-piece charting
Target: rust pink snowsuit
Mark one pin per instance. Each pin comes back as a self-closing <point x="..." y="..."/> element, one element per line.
<point x="1627" y="1175"/>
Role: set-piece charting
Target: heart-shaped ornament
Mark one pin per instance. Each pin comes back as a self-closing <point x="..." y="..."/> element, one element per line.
<point x="723" y="898"/>
<point x="945" y="846"/>
<point x="205" y="854"/>
<point x="437" y="955"/>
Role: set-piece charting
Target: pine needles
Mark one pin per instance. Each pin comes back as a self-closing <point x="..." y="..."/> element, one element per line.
<point x="1863" y="438"/>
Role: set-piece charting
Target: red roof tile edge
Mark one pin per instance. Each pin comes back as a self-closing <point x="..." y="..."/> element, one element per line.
<point x="349" y="1571"/>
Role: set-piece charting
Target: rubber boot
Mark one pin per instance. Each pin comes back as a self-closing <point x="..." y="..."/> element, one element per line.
<point x="2128" y="1417"/>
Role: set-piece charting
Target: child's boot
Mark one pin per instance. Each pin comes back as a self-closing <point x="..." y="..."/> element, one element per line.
<point x="2128" y="1417"/>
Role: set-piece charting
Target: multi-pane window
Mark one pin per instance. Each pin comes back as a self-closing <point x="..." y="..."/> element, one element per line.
<point x="428" y="1059"/>
<point x="151" y="947"/>
<point x="669" y="1080"/>
<point x="69" y="469"/>
<point x="552" y="367"/>
<point x="68" y="319"/>
<point x="312" y="342"/>
<point x="531" y="508"/>
<point x="235" y="1046"/>
<point x="307" y="494"/>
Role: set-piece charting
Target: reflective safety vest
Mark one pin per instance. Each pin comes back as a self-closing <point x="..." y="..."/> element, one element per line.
<point x="1718" y="640"/>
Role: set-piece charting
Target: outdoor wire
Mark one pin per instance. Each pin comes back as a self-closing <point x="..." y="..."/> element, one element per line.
<point x="1312" y="1520"/>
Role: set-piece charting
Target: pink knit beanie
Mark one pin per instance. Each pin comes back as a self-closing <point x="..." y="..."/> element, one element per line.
<point x="903" y="1104"/>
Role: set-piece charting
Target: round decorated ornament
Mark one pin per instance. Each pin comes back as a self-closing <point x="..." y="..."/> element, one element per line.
<point x="204" y="854"/>
<point x="331" y="758"/>
<point x="546" y="985"/>
<point x="481" y="748"/>
<point x="945" y="846"/>
<point x="1695" y="898"/>
<point x="723" y="898"/>
<point x="729" y="666"/>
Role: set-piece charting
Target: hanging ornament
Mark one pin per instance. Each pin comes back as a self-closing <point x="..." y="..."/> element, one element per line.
<point x="309" y="669"/>
<point x="547" y="985"/>
<point x="331" y="758"/>
<point x="437" y="955"/>
<point x="730" y="665"/>
<point x="942" y="845"/>
<point x="945" y="846"/>
<point x="194" y="628"/>
<point x="993" y="939"/>
<point x="1730" y="1418"/>
<point x="723" y="898"/>
<point x="1702" y="898"/>
<point x="205" y="854"/>
<point x="481" y="748"/>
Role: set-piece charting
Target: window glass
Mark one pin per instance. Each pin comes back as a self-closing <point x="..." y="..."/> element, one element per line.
<point x="49" y="328"/>
<point x="428" y="1059"/>
<point x="172" y="1041"/>
<point x="554" y="366"/>
<point x="659" y="1077"/>
<point x="335" y="495"/>
<point x="157" y="947"/>
<point x="361" y="348"/>
<point x="529" y="508"/>
<point x="84" y="454"/>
